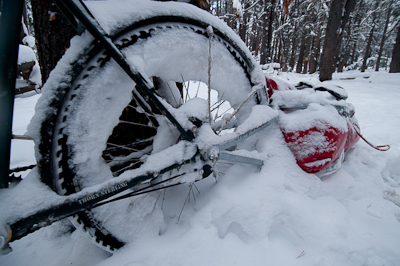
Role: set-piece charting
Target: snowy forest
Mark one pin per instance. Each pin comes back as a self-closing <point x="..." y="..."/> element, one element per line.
<point x="293" y="33"/>
<point x="303" y="36"/>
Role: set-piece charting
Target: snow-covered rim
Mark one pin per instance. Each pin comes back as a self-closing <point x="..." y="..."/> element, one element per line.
<point x="114" y="15"/>
<point x="129" y="18"/>
<point x="56" y="101"/>
<point x="248" y="62"/>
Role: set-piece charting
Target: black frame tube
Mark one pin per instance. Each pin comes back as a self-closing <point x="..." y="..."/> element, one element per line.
<point x="10" y="26"/>
<point x="141" y="83"/>
<point x="74" y="205"/>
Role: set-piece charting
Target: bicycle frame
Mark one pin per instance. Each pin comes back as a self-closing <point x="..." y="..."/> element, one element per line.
<point x="81" y="201"/>
<point x="9" y="54"/>
<point x="142" y="83"/>
<point x="9" y="36"/>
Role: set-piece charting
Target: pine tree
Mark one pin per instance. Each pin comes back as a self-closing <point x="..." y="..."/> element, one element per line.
<point x="338" y="16"/>
<point x="383" y="39"/>
<point x="52" y="32"/>
<point x="395" y="64"/>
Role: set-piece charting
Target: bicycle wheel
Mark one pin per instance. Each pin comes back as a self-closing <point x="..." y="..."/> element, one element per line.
<point x="96" y="129"/>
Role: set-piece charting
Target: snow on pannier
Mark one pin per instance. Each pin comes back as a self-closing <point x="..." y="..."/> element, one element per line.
<point x="317" y="123"/>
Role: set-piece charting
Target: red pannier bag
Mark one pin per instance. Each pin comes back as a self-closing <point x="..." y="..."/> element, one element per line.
<point x="317" y="123"/>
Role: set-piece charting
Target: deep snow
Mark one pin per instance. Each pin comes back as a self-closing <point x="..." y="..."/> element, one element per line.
<point x="279" y="216"/>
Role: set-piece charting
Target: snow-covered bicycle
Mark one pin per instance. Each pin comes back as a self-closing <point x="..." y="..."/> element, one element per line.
<point x="150" y="96"/>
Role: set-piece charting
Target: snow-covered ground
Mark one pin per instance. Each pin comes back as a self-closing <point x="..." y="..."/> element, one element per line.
<point x="278" y="216"/>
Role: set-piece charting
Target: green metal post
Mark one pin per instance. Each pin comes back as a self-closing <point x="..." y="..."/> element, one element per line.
<point x="10" y="26"/>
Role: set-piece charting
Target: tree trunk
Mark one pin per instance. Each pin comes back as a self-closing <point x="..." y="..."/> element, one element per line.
<point x="345" y="53"/>
<point x="264" y="23"/>
<point x="378" y="61"/>
<point x="22" y="33"/>
<point x="307" y="53"/>
<point x="353" y="53"/>
<point x="299" y="66"/>
<point x="294" y="37"/>
<point x="275" y="54"/>
<point x="270" y="28"/>
<point x="285" y="50"/>
<point x="395" y="64"/>
<point x="52" y="32"/>
<point x="243" y="24"/>
<point x="278" y="51"/>
<point x="255" y="43"/>
<point x="333" y="39"/>
<point x="328" y="58"/>
<point x="368" y="49"/>
<point x="341" y="64"/>
<point x="315" y="52"/>
<point x="294" y="49"/>
<point x="230" y="20"/>
<point x="283" y="62"/>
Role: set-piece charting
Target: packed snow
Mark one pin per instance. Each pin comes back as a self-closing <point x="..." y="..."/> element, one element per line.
<point x="25" y="54"/>
<point x="277" y="216"/>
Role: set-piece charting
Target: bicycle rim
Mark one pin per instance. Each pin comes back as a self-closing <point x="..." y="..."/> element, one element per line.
<point x="101" y="131"/>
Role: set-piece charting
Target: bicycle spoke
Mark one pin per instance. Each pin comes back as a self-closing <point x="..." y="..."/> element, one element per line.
<point x="196" y="188"/>
<point x="210" y="33"/>
<point x="191" y="189"/>
<point x="136" y="124"/>
<point x="187" y="200"/>
<point x="186" y="89"/>
<point x="121" y="146"/>
<point x="140" y="110"/>
<point x="141" y="191"/>
<point x="170" y="90"/>
<point x="221" y="115"/>
<point x="219" y="104"/>
<point x="121" y="160"/>
<point x="188" y="196"/>
<point x="162" y="204"/>
<point x="236" y="111"/>
<point x="198" y="87"/>
<point x="126" y="168"/>
<point x="137" y="143"/>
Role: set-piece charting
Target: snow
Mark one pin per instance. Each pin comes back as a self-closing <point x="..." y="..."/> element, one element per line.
<point x="56" y="82"/>
<point x="25" y="54"/>
<point x="29" y="40"/>
<point x="279" y="215"/>
<point x="237" y="8"/>
<point x="112" y="16"/>
<point x="22" y="151"/>
<point x="315" y="115"/>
